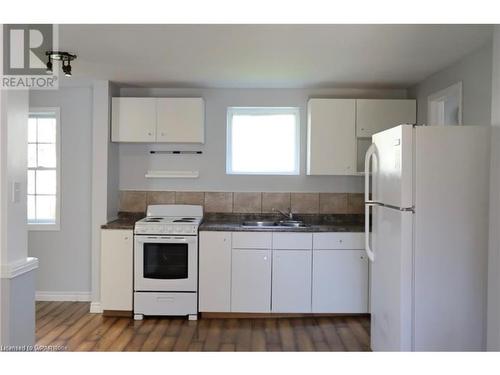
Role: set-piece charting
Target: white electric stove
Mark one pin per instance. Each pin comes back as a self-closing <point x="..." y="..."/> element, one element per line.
<point x="166" y="261"/>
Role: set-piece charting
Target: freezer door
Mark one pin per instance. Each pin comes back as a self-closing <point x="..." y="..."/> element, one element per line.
<point x="392" y="168"/>
<point x="391" y="280"/>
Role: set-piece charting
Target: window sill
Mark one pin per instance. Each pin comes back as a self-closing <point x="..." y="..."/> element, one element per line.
<point x="43" y="227"/>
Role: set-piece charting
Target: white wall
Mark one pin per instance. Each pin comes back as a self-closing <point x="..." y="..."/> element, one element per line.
<point x="135" y="159"/>
<point x="113" y="180"/>
<point x="493" y="337"/>
<point x="17" y="292"/>
<point x="474" y="71"/>
<point x="64" y="255"/>
<point x="104" y="178"/>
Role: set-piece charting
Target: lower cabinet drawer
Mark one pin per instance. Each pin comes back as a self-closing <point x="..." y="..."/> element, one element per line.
<point x="290" y="241"/>
<point x="153" y="303"/>
<point x="338" y="241"/>
<point x="252" y="240"/>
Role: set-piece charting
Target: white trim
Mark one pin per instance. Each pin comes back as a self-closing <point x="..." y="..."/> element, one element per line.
<point x="172" y="174"/>
<point x="262" y="111"/>
<point x="14" y="269"/>
<point x="440" y="96"/>
<point x="95" y="308"/>
<point x="57" y="225"/>
<point x="62" y="296"/>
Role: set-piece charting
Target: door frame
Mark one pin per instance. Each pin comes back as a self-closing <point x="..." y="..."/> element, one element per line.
<point x="435" y="104"/>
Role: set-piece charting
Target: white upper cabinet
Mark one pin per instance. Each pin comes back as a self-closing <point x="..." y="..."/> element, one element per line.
<point x="181" y="120"/>
<point x="331" y="137"/>
<point x="174" y="120"/>
<point x="375" y="115"/>
<point x="339" y="130"/>
<point x="133" y="120"/>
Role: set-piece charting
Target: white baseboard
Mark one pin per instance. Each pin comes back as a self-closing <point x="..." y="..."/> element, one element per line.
<point x="95" y="308"/>
<point x="63" y="296"/>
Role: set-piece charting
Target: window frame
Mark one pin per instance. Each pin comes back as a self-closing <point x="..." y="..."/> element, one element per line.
<point x="38" y="226"/>
<point x="270" y="110"/>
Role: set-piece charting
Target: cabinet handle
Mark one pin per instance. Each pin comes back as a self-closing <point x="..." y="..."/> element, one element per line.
<point x="265" y="258"/>
<point x="149" y="133"/>
<point x="126" y="238"/>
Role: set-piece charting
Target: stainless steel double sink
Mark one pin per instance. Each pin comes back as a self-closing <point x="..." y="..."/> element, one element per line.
<point x="275" y="224"/>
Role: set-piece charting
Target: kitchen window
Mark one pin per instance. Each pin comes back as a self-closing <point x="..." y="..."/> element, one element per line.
<point x="43" y="169"/>
<point x="263" y="140"/>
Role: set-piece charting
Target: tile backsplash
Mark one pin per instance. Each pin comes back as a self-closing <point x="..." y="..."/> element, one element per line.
<point x="242" y="202"/>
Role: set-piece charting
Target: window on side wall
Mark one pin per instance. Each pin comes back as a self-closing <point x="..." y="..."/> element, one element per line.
<point x="44" y="168"/>
<point x="263" y="141"/>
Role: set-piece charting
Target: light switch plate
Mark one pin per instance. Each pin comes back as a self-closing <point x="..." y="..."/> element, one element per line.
<point x="16" y="192"/>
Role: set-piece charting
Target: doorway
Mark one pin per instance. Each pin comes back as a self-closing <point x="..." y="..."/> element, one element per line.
<point x="445" y="106"/>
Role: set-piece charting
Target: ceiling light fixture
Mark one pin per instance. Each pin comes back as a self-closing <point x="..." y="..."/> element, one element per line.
<point x="66" y="59"/>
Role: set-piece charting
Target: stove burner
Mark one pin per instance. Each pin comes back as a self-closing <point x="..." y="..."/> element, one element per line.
<point x="188" y="218"/>
<point x="152" y="220"/>
<point x="183" y="221"/>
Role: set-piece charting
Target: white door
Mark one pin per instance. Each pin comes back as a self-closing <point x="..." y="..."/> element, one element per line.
<point x="133" y="120"/>
<point x="340" y="282"/>
<point x="392" y="171"/>
<point x="375" y="115"/>
<point x="181" y="120"/>
<point x="117" y="271"/>
<point x="391" y="280"/>
<point x="251" y="280"/>
<point x="291" y="281"/>
<point x="331" y="137"/>
<point x="215" y="271"/>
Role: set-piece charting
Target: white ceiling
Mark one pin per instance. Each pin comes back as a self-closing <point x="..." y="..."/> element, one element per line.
<point x="268" y="55"/>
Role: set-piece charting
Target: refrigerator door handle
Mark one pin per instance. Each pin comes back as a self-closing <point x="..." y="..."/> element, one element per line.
<point x="372" y="151"/>
<point x="369" y="251"/>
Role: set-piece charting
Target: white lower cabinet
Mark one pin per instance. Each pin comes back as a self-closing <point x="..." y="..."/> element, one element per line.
<point x="252" y="272"/>
<point x="215" y="272"/>
<point x="340" y="281"/>
<point x="291" y="284"/>
<point x="251" y="280"/>
<point x="117" y="254"/>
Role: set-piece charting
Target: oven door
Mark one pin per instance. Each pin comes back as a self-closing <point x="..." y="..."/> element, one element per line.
<point x="166" y="263"/>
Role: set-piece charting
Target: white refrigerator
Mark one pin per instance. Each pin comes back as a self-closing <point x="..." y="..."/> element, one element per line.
<point x="426" y="193"/>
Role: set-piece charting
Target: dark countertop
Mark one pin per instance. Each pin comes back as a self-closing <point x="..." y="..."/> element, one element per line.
<point x="232" y="222"/>
<point x="126" y="220"/>
<point x="316" y="223"/>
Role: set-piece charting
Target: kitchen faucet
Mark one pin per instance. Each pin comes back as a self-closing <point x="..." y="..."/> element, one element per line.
<point x="288" y="215"/>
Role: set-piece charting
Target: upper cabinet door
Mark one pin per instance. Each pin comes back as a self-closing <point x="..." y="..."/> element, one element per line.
<point x="331" y="137"/>
<point x="181" y="120"/>
<point x="375" y="115"/>
<point x="133" y="120"/>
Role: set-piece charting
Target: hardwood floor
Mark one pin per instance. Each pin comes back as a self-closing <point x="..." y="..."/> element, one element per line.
<point x="71" y="326"/>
